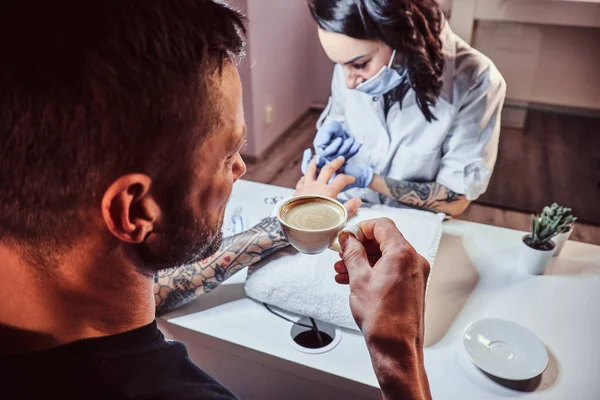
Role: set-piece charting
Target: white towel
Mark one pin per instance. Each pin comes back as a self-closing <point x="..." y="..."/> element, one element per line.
<point x="305" y="285"/>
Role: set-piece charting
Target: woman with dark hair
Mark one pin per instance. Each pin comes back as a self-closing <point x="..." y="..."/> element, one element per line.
<point x="415" y="107"/>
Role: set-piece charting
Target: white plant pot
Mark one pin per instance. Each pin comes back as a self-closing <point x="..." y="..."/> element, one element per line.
<point x="533" y="261"/>
<point x="560" y="241"/>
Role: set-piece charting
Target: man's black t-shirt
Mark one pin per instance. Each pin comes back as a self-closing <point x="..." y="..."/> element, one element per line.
<point x="139" y="364"/>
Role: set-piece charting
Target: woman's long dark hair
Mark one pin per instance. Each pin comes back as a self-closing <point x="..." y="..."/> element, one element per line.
<point x="411" y="27"/>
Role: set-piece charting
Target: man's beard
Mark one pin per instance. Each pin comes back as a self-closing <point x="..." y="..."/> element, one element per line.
<point x="183" y="241"/>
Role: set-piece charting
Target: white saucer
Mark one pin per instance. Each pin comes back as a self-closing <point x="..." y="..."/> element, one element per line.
<point x="505" y="349"/>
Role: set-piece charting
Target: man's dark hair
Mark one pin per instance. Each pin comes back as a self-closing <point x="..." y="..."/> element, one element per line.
<point x="93" y="90"/>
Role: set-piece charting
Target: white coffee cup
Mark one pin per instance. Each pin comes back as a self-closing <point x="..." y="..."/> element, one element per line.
<point x="312" y="223"/>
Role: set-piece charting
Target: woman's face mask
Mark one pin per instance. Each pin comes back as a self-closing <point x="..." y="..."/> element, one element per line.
<point x="382" y="82"/>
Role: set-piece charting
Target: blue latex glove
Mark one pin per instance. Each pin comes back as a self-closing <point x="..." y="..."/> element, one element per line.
<point x="332" y="141"/>
<point x="362" y="173"/>
<point x="307" y="156"/>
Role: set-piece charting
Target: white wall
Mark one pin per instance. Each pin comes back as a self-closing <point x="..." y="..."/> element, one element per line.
<point x="322" y="71"/>
<point x="546" y="50"/>
<point x="557" y="65"/>
<point x="285" y="67"/>
<point x="281" y="39"/>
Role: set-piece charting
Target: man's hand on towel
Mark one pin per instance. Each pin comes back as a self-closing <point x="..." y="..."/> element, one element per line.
<point x="324" y="185"/>
<point x="387" y="280"/>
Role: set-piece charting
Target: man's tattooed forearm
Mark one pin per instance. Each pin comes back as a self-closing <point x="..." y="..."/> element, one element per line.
<point x="427" y="195"/>
<point x="177" y="286"/>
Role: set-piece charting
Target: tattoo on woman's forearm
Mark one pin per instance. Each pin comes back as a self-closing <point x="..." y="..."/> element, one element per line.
<point x="177" y="286"/>
<point x="427" y="195"/>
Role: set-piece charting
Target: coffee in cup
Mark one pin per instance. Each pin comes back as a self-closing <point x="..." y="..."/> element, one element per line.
<point x="313" y="214"/>
<point x="312" y="223"/>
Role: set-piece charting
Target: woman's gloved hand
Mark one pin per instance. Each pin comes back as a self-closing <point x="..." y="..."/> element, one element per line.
<point x="363" y="174"/>
<point x="308" y="156"/>
<point x="332" y="141"/>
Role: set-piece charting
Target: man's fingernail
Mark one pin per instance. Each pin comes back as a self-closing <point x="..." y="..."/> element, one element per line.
<point x="355" y="231"/>
<point x="340" y="158"/>
<point x="343" y="238"/>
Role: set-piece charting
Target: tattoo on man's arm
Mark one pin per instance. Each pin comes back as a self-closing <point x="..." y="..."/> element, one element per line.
<point x="426" y="195"/>
<point x="177" y="286"/>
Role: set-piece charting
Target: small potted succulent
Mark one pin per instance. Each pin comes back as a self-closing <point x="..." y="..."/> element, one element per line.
<point x="564" y="213"/>
<point x="538" y="247"/>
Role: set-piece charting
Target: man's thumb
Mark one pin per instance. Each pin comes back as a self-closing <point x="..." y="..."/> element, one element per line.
<point x="353" y="254"/>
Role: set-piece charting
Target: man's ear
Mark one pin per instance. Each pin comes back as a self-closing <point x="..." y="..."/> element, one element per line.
<point x="129" y="210"/>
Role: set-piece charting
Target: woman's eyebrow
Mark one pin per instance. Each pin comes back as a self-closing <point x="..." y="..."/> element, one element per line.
<point x="356" y="59"/>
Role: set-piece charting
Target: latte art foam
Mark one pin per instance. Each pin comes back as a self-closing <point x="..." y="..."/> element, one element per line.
<point x="313" y="215"/>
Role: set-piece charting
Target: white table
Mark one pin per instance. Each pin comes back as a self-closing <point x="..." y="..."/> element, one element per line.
<point x="248" y="350"/>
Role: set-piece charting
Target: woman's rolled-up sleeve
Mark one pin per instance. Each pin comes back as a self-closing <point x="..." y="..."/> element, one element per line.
<point x="336" y="104"/>
<point x="469" y="151"/>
